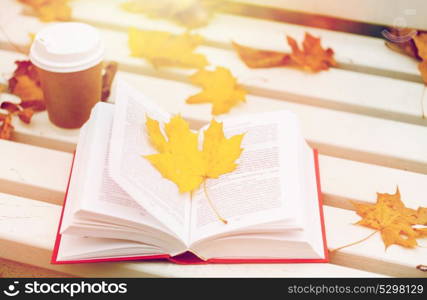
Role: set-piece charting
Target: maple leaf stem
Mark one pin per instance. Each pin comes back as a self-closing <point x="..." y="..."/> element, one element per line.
<point x="212" y="205"/>
<point x="354" y="243"/>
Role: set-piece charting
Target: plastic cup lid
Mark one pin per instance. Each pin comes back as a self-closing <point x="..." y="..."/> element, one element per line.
<point x="67" y="47"/>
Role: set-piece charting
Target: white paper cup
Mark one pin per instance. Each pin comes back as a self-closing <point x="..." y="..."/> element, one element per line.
<point x="68" y="57"/>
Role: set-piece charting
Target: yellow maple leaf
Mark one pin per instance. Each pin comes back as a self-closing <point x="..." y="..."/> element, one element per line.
<point x="393" y="220"/>
<point x="219" y="88"/>
<point x="180" y="159"/>
<point x="220" y="153"/>
<point x="165" y="49"/>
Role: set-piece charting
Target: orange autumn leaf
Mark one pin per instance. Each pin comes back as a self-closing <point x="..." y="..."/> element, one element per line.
<point x="255" y="58"/>
<point x="6" y="126"/>
<point x="25" y="115"/>
<point x="421" y="44"/>
<point x="9" y="107"/>
<point x="50" y="10"/>
<point x="27" y="89"/>
<point x="35" y="105"/>
<point x="395" y="222"/>
<point x="25" y="82"/>
<point x="219" y="88"/>
<point x="312" y="56"/>
<point x="163" y="49"/>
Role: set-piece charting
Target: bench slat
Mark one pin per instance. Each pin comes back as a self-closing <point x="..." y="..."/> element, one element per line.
<point x="342" y="180"/>
<point x="353" y="52"/>
<point x="28" y="230"/>
<point x="34" y="172"/>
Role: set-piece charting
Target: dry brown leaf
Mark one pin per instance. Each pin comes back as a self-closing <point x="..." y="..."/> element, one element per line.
<point x="25" y="115"/>
<point x="421" y="44"/>
<point x="312" y="56"/>
<point x="35" y="105"/>
<point x="10" y="107"/>
<point x="399" y="40"/>
<point x="393" y="220"/>
<point x="25" y="84"/>
<point x="27" y="89"/>
<point x="255" y="58"/>
<point x="6" y="127"/>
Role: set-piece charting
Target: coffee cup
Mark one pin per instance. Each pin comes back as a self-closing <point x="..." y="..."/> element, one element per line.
<point x="68" y="57"/>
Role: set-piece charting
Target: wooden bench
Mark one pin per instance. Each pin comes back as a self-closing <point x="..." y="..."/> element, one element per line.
<point x="366" y="117"/>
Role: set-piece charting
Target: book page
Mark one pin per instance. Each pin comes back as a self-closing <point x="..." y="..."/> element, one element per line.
<point x="264" y="186"/>
<point x="102" y="194"/>
<point x="135" y="174"/>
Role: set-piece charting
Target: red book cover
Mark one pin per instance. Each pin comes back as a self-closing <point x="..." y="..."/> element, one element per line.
<point x="188" y="257"/>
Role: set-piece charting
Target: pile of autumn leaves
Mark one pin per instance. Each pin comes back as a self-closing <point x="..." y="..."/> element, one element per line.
<point x="25" y="84"/>
<point x="220" y="87"/>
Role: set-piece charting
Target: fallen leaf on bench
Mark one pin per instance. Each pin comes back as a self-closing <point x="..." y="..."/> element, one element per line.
<point x="312" y="57"/>
<point x="255" y="58"/>
<point x="50" y="10"/>
<point x="219" y="88"/>
<point x="35" y="105"/>
<point x="25" y="84"/>
<point x="163" y="49"/>
<point x="421" y="43"/>
<point x="25" y="67"/>
<point x="395" y="222"/>
<point x="6" y="127"/>
<point x="10" y="107"/>
<point x="25" y="115"/>
<point x="180" y="159"/>
<point x="26" y="89"/>
<point x="399" y="40"/>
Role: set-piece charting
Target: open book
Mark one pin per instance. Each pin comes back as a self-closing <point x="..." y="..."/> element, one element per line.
<point x="119" y="207"/>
